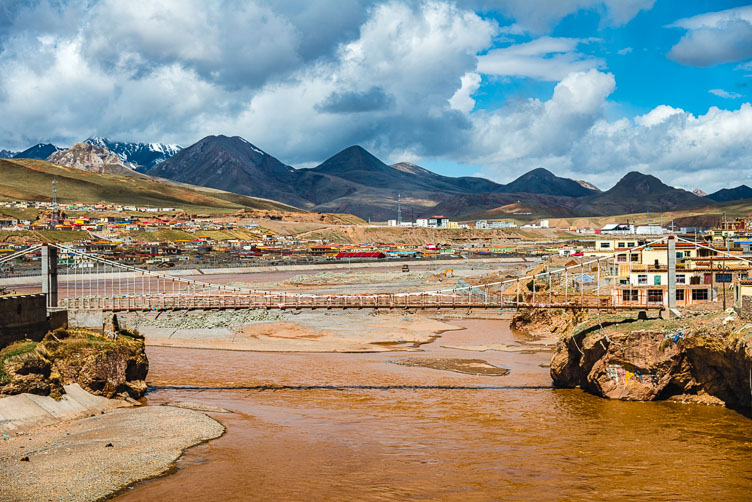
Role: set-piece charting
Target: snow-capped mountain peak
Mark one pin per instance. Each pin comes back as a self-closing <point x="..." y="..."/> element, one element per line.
<point x="143" y="155"/>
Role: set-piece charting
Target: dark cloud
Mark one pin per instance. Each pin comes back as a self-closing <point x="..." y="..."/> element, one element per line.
<point x="373" y="99"/>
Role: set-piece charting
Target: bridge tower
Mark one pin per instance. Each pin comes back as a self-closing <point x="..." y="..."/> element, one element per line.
<point x="49" y="274"/>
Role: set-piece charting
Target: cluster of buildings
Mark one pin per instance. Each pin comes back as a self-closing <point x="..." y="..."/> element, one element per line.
<point x="117" y="208"/>
<point x="442" y="222"/>
<point x="637" y="271"/>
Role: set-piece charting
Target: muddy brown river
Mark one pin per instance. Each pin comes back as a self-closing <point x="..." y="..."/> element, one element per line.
<point x="358" y="427"/>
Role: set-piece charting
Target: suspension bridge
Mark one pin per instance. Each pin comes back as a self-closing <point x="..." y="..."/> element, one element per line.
<point x="90" y="282"/>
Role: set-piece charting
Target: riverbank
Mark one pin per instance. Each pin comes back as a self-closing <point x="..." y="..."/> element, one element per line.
<point x="92" y="458"/>
<point x="699" y="357"/>
<point x="284" y="331"/>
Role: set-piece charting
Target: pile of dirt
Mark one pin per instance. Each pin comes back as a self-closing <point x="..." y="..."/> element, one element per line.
<point x="100" y="365"/>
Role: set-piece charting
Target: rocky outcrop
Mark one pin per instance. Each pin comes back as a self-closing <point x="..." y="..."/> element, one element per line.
<point x="703" y="363"/>
<point x="546" y="322"/>
<point x="92" y="158"/>
<point x="100" y="365"/>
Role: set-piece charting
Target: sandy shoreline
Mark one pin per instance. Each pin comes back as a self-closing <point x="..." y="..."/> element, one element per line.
<point x="287" y="332"/>
<point x="95" y="457"/>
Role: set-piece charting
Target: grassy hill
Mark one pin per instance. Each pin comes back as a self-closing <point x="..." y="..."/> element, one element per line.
<point x="708" y="216"/>
<point x="26" y="179"/>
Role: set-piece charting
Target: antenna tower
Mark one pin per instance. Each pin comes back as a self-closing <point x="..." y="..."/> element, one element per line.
<point x="55" y="210"/>
<point x="399" y="209"/>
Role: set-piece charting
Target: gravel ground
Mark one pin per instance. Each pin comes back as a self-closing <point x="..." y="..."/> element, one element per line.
<point x="92" y="458"/>
<point x="201" y="319"/>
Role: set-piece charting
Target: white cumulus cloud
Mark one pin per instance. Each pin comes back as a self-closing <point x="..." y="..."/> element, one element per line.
<point x="714" y="38"/>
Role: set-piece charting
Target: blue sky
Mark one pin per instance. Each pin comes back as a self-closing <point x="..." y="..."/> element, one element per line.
<point x="589" y="89"/>
<point x="636" y="53"/>
<point x="646" y="77"/>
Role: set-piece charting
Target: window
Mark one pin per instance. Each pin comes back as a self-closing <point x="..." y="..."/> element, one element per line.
<point x="681" y="279"/>
<point x="657" y="264"/>
<point x="679" y="254"/>
<point x="635" y="257"/>
<point x="687" y="254"/>
<point x="622" y="258"/>
<point x="655" y="295"/>
<point x="623" y="282"/>
<point x="605" y="245"/>
<point x="631" y="244"/>
<point x="699" y="294"/>
<point x="629" y="295"/>
<point x="620" y="245"/>
<point x="642" y="279"/>
<point x="656" y="280"/>
<point x="723" y="277"/>
<point x="679" y="295"/>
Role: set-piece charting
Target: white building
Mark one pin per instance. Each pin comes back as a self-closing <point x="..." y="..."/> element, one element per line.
<point x="651" y="230"/>
<point x="618" y="228"/>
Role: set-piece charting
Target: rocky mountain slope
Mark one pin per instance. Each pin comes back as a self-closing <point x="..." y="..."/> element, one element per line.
<point x="143" y="156"/>
<point x="40" y="152"/>
<point x="91" y="158"/>
<point x="638" y="193"/>
<point x="232" y="164"/>
<point x="542" y="181"/>
<point x="730" y="194"/>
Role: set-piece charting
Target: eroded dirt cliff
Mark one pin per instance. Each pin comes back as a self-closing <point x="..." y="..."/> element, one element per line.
<point x="704" y="358"/>
<point x="107" y="366"/>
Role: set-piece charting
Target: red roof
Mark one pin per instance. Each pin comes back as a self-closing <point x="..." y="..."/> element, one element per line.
<point x="361" y="254"/>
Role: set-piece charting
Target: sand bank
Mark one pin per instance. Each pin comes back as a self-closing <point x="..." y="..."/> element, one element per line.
<point x="91" y="458"/>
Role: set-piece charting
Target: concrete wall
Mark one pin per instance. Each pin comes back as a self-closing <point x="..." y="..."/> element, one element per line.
<point x="22" y="316"/>
<point x="85" y="319"/>
<point x="743" y="307"/>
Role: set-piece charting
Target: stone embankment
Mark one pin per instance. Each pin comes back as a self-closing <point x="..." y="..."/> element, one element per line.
<point x="700" y="358"/>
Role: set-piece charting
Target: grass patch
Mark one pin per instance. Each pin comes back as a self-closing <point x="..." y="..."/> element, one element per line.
<point x="45" y="235"/>
<point x="242" y="234"/>
<point x="12" y="350"/>
<point x="27" y="179"/>
<point x="162" y="236"/>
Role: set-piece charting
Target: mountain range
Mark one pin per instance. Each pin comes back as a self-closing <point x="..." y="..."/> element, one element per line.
<point x="354" y="181"/>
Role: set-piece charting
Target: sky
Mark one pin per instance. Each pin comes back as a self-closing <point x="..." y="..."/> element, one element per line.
<point x="587" y="89"/>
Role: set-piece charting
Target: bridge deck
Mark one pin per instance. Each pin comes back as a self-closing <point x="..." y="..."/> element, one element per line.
<point x="284" y="302"/>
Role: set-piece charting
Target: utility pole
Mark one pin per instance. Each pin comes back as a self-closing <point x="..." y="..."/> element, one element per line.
<point x="726" y="273"/>
<point x="671" y="273"/>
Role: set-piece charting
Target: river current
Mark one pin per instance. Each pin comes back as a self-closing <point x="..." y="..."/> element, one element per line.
<point x="321" y="426"/>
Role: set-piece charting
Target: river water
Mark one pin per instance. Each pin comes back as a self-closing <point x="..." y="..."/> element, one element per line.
<point x="357" y="427"/>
